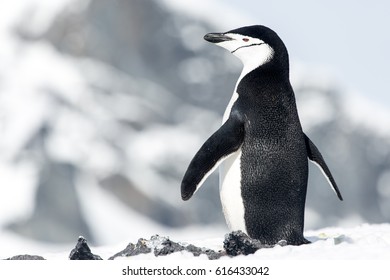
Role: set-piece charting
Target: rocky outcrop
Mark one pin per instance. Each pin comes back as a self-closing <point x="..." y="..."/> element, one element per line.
<point x="235" y="243"/>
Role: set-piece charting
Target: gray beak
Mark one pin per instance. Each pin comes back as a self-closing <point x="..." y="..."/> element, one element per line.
<point x="217" y="37"/>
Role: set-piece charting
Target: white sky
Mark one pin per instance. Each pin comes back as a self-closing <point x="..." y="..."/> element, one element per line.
<point x="350" y="39"/>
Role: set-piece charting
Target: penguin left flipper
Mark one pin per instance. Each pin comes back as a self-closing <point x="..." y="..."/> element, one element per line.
<point x="226" y="140"/>
<point x="315" y="156"/>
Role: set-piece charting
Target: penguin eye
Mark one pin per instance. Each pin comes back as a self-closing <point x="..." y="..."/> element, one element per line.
<point x="245" y="39"/>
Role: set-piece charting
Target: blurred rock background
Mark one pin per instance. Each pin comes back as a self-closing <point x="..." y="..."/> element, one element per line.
<point x="104" y="103"/>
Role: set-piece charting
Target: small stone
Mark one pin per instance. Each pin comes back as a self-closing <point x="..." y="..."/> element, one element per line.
<point x="197" y="251"/>
<point x="166" y="246"/>
<point x="133" y="250"/>
<point x="282" y="243"/>
<point x="339" y="239"/>
<point x="82" y="251"/>
<point x="163" y="246"/>
<point x="127" y="252"/>
<point x="26" y="257"/>
<point x="142" y="247"/>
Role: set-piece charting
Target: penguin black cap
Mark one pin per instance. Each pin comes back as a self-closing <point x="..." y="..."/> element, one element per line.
<point x="260" y="32"/>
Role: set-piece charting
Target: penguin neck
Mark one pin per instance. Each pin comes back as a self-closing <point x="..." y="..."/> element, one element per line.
<point x="268" y="73"/>
<point x="248" y="67"/>
<point x="266" y="85"/>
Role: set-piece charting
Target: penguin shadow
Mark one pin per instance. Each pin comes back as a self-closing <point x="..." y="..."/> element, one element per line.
<point x="337" y="238"/>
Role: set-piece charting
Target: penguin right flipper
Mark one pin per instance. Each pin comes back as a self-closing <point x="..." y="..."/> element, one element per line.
<point x="315" y="156"/>
<point x="226" y="140"/>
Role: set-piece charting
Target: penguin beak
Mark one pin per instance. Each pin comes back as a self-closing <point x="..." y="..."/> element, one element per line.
<point x="217" y="37"/>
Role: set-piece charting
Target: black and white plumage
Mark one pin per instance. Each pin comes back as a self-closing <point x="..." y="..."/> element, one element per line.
<point x="260" y="148"/>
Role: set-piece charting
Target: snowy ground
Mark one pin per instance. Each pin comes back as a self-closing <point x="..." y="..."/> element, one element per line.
<point x="363" y="242"/>
<point x="359" y="243"/>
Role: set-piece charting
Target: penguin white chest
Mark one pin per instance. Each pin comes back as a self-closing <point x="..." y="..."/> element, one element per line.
<point x="230" y="192"/>
<point x="230" y="184"/>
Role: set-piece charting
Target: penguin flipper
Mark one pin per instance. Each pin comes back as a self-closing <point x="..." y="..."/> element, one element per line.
<point x="315" y="156"/>
<point x="226" y="140"/>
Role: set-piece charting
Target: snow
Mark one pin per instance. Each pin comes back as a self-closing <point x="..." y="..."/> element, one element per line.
<point x="364" y="242"/>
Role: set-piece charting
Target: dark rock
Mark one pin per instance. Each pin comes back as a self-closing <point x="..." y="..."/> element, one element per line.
<point x="133" y="250"/>
<point x="82" y="251"/>
<point x="25" y="258"/>
<point x="211" y="254"/>
<point x="196" y="251"/>
<point x="237" y="243"/>
<point x="127" y="252"/>
<point x="162" y="246"/>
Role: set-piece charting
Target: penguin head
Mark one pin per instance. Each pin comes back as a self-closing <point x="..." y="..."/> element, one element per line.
<point x="255" y="45"/>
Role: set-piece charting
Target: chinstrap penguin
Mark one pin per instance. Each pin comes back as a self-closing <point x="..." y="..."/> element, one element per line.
<point x="260" y="148"/>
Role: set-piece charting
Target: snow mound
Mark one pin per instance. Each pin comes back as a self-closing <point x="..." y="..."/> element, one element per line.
<point x="367" y="241"/>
